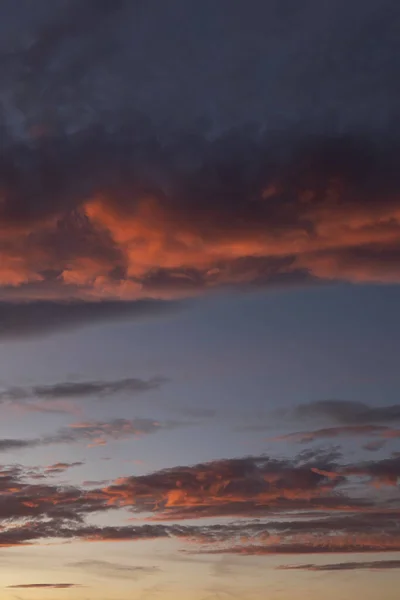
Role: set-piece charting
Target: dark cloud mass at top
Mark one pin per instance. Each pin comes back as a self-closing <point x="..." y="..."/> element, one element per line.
<point x="153" y="152"/>
<point x="272" y="165"/>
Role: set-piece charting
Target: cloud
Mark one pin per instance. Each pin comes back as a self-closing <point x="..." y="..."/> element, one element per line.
<point x="93" y="433"/>
<point x="107" y="569"/>
<point x="14" y="444"/>
<point x="165" y="230"/>
<point x="379" y="565"/>
<point x="279" y="507"/>
<point x="100" y="432"/>
<point x="117" y="185"/>
<point x="61" y="467"/>
<point x="252" y="486"/>
<point x="230" y="81"/>
<point x="55" y="586"/>
<point x="381" y="472"/>
<point x="311" y="545"/>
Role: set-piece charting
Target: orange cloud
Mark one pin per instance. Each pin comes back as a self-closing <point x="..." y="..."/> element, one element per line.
<point x="311" y="544"/>
<point x="156" y="229"/>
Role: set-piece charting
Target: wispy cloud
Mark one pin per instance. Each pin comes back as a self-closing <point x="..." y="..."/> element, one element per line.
<point x="55" y="586"/>
<point x="374" y="565"/>
<point x="303" y="437"/>
<point x="348" y="412"/>
<point x="108" y="569"/>
<point x="81" y="389"/>
<point x="94" y="433"/>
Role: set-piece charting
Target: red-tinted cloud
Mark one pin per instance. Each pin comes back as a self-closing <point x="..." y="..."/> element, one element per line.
<point x="61" y="467"/>
<point x="279" y="506"/>
<point x="130" y="221"/>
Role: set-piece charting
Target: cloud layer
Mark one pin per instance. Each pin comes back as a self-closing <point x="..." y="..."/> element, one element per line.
<point x="277" y="165"/>
<point x="81" y="390"/>
<point x="91" y="433"/>
<point x="147" y="225"/>
<point x="278" y="506"/>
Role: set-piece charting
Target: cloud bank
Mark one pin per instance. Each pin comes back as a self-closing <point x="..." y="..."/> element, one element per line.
<point x="120" y="192"/>
<point x="298" y="506"/>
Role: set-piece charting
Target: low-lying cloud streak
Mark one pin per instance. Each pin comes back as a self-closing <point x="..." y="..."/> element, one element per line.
<point x="21" y="319"/>
<point x="44" y="586"/>
<point x="374" y="565"/>
<point x="93" y="433"/>
<point x="82" y="389"/>
<point x="104" y="568"/>
<point x="279" y="507"/>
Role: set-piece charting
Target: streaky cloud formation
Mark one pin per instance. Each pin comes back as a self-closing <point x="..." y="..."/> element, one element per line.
<point x="379" y="565"/>
<point x="280" y="507"/>
<point x="29" y="318"/>
<point x="82" y="389"/>
<point x="303" y="437"/>
<point x="107" y="569"/>
<point x="43" y="586"/>
<point x="93" y="433"/>
<point x="348" y="412"/>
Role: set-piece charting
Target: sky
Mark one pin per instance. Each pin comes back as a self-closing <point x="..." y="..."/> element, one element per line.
<point x="199" y="292"/>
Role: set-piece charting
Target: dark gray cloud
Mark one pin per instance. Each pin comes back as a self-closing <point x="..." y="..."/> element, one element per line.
<point x="348" y="412"/>
<point x="241" y="190"/>
<point x="93" y="433"/>
<point x="82" y="389"/>
<point x="280" y="507"/>
<point x="311" y="68"/>
<point x="26" y="319"/>
<point x="61" y="467"/>
<point x="384" y="471"/>
<point x="8" y="444"/>
<point x="284" y="144"/>
<point x="374" y="565"/>
<point x="312" y="547"/>
<point x="101" y="432"/>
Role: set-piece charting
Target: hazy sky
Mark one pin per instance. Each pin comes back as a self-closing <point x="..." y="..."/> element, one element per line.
<point x="199" y="299"/>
